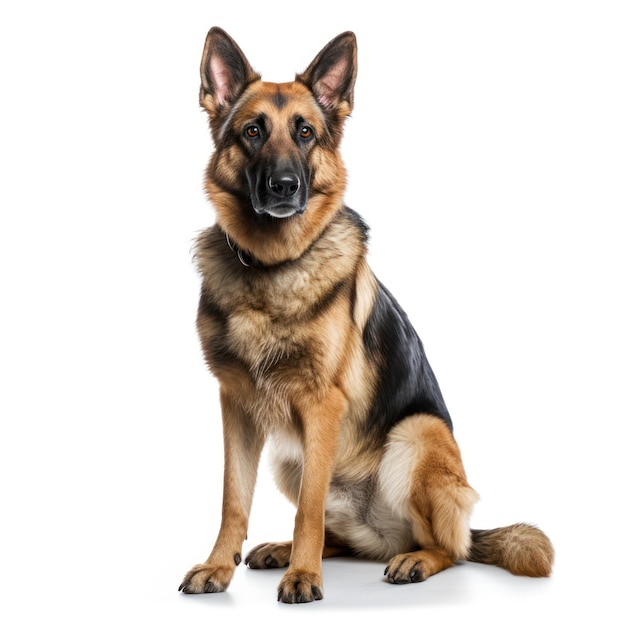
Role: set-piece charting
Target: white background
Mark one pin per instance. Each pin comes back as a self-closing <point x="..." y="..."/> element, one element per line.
<point x="487" y="151"/>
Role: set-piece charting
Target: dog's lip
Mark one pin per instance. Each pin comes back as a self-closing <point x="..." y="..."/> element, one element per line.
<point x="281" y="211"/>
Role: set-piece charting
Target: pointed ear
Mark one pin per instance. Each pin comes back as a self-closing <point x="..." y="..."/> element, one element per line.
<point x="332" y="73"/>
<point x="224" y="72"/>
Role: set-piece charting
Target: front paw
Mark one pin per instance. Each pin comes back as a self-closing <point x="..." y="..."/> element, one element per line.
<point x="269" y="555"/>
<point x="300" y="586"/>
<point x="207" y="578"/>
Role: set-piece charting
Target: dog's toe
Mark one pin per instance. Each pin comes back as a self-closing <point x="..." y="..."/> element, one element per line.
<point x="206" y="578"/>
<point x="405" y="569"/>
<point x="300" y="587"/>
<point x="269" y="556"/>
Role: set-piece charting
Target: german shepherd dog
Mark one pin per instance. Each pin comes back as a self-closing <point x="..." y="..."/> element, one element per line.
<point x="314" y="353"/>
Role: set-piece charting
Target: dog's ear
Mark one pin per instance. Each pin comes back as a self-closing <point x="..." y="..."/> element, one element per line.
<point x="224" y="71"/>
<point x="331" y="75"/>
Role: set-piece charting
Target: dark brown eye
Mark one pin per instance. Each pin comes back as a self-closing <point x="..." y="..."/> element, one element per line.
<point x="252" y="131"/>
<point x="306" y="132"/>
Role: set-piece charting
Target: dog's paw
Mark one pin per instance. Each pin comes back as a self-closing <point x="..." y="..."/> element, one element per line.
<point x="300" y="586"/>
<point x="269" y="555"/>
<point x="206" y="578"/>
<point x="406" y="568"/>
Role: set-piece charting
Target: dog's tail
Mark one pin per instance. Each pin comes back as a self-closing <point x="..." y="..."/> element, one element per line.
<point x="521" y="548"/>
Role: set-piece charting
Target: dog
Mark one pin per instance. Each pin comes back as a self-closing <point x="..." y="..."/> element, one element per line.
<point x="312" y="352"/>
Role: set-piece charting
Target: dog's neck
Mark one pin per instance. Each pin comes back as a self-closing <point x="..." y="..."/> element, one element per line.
<point x="356" y="236"/>
<point x="245" y="258"/>
<point x="249" y="260"/>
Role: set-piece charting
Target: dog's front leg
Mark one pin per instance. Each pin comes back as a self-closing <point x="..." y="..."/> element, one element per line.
<point x="320" y="424"/>
<point x="242" y="449"/>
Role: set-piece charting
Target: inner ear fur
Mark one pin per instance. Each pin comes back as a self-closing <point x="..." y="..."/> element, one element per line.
<point x="332" y="74"/>
<point x="224" y="71"/>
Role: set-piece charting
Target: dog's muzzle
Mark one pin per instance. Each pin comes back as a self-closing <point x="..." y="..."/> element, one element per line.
<point x="280" y="193"/>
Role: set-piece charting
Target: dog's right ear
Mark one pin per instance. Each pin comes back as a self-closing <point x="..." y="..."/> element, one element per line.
<point x="224" y="71"/>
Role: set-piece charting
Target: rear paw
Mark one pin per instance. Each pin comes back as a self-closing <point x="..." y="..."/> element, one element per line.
<point x="298" y="587"/>
<point x="406" y="568"/>
<point x="206" y="578"/>
<point x="269" y="555"/>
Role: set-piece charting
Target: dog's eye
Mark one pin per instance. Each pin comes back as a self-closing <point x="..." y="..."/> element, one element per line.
<point x="252" y="131"/>
<point x="306" y="132"/>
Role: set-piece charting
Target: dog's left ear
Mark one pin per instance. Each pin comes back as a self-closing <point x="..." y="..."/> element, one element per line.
<point x="332" y="74"/>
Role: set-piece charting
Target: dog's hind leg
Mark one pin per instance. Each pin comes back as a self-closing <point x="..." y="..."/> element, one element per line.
<point x="423" y="480"/>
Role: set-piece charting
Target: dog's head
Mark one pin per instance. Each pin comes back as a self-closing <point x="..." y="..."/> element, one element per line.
<point x="276" y="178"/>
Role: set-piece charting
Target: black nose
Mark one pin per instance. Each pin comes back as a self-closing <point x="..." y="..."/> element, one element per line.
<point x="283" y="184"/>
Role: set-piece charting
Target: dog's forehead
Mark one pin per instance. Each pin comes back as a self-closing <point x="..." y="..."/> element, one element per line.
<point x="291" y="98"/>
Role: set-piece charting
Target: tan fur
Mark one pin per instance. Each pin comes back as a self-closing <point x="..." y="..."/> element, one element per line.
<point x="285" y="336"/>
<point x="290" y="239"/>
<point x="508" y="547"/>
<point x="435" y="494"/>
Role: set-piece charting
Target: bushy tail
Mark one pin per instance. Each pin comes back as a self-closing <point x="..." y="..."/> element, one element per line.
<point x="521" y="548"/>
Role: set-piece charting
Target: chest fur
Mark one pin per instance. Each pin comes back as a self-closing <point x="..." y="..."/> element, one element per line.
<point x="284" y="329"/>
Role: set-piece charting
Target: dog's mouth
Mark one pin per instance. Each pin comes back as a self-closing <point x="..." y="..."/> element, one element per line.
<point x="280" y="212"/>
